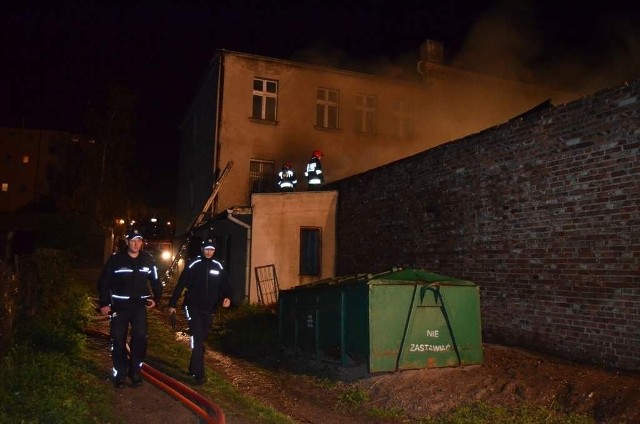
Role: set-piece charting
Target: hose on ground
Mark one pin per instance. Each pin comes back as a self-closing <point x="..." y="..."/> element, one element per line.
<point x="204" y="408"/>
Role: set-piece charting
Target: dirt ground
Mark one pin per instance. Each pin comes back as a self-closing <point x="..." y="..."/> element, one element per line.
<point x="507" y="377"/>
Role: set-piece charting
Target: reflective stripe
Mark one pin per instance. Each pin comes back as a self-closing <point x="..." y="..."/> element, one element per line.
<point x="314" y="181"/>
<point x="285" y="184"/>
<point x="115" y="296"/>
<point x="195" y="262"/>
<point x="118" y="271"/>
<point x="214" y="272"/>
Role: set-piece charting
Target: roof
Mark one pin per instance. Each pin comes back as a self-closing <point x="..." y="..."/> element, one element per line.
<point x="395" y="276"/>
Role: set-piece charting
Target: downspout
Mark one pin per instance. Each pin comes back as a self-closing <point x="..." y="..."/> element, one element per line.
<point x="247" y="283"/>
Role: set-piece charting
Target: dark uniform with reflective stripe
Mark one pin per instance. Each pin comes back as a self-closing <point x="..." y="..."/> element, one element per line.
<point x="124" y="285"/>
<point x="287" y="180"/>
<point x="207" y="284"/>
<point x="314" y="174"/>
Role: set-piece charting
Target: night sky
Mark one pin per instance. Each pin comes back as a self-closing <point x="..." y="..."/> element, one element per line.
<point x="56" y="58"/>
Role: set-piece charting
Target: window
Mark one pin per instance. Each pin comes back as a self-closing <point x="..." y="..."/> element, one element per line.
<point x="262" y="176"/>
<point x="310" y="249"/>
<point x="265" y="99"/>
<point x="25" y="159"/>
<point x="365" y="113"/>
<point x="403" y="117"/>
<point x="5" y="186"/>
<point x="327" y="108"/>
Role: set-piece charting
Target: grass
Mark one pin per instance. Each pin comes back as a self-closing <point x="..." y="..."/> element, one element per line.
<point x="480" y="413"/>
<point x="172" y="358"/>
<point x="51" y="387"/>
<point x="48" y="377"/>
<point x="51" y="378"/>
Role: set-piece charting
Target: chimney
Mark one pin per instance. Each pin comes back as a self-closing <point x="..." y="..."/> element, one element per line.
<point x="432" y="51"/>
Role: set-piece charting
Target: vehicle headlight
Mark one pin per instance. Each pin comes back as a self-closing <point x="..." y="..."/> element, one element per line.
<point x="166" y="255"/>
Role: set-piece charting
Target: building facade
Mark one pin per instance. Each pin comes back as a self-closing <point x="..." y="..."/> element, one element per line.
<point x="258" y="113"/>
<point x="37" y="165"/>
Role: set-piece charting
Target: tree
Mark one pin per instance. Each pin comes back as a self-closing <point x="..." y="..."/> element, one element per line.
<point x="105" y="191"/>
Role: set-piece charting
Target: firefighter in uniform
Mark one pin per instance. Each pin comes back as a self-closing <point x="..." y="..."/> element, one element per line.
<point x="124" y="294"/>
<point x="287" y="178"/>
<point x="207" y="284"/>
<point x="314" y="175"/>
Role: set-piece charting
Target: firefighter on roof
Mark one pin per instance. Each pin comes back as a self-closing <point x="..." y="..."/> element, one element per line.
<point x="286" y="178"/>
<point x="314" y="175"/>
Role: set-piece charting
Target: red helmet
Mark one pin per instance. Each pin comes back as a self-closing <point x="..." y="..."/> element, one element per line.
<point x="317" y="154"/>
<point x="286" y="165"/>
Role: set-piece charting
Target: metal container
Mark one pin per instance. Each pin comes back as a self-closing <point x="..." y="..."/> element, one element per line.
<point x="401" y="319"/>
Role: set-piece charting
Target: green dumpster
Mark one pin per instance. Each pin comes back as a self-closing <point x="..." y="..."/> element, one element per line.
<point x="400" y="319"/>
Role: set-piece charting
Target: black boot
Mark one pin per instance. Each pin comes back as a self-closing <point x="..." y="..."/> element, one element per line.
<point x="136" y="380"/>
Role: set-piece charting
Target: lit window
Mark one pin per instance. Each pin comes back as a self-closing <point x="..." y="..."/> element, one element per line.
<point x="5" y="186"/>
<point x="365" y="113"/>
<point x="25" y="159"/>
<point x="262" y="176"/>
<point x="310" y="251"/>
<point x="327" y="108"/>
<point x="403" y="116"/>
<point x="265" y="99"/>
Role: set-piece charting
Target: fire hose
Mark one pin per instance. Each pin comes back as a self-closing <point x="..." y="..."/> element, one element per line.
<point x="206" y="410"/>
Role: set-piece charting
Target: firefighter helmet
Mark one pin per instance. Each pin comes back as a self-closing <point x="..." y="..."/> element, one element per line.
<point x="286" y="166"/>
<point x="317" y="154"/>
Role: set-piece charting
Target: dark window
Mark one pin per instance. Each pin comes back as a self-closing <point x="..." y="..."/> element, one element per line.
<point x="365" y="113"/>
<point x="262" y="176"/>
<point x="403" y="117"/>
<point x="265" y="98"/>
<point x="327" y="108"/>
<point x="310" y="243"/>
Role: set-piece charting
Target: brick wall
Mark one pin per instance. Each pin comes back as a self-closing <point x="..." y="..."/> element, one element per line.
<point x="542" y="212"/>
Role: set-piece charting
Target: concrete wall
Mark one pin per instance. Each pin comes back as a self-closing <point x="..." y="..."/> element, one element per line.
<point x="542" y="212"/>
<point x="275" y="239"/>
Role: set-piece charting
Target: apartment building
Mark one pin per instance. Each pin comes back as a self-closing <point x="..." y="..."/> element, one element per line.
<point x="259" y="112"/>
<point x="37" y="165"/>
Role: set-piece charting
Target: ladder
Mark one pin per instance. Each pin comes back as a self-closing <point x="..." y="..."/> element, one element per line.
<point x="197" y="220"/>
